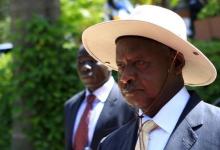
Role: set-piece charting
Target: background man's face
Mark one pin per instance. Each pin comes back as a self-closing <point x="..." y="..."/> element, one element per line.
<point x="92" y="73"/>
<point x="142" y="66"/>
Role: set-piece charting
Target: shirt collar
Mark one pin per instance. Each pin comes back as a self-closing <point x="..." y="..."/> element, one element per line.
<point x="169" y="114"/>
<point x="102" y="92"/>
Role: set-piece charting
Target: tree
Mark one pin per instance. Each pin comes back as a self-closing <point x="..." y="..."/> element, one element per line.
<point x="22" y="12"/>
<point x="4" y="20"/>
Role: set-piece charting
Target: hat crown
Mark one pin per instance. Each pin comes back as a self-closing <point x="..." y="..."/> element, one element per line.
<point x="161" y="17"/>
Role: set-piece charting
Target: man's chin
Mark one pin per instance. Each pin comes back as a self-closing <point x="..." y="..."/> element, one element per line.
<point x="88" y="81"/>
<point x="142" y="104"/>
<point x="133" y="102"/>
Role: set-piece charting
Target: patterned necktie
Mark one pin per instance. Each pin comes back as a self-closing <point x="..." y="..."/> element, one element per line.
<point x="81" y="136"/>
<point x="143" y="136"/>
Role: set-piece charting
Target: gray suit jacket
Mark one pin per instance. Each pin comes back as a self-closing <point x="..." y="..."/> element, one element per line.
<point x="197" y="129"/>
<point x="114" y="114"/>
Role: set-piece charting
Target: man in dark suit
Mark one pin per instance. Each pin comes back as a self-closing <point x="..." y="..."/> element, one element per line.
<point x="155" y="61"/>
<point x="107" y="112"/>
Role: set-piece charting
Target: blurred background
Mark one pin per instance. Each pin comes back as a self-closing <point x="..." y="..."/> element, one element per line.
<point x="38" y="43"/>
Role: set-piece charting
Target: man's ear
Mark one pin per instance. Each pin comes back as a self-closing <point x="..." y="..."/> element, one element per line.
<point x="179" y="63"/>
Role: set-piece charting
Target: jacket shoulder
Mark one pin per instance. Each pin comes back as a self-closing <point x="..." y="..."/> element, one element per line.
<point x="211" y="113"/>
<point x="208" y="132"/>
<point x="74" y="98"/>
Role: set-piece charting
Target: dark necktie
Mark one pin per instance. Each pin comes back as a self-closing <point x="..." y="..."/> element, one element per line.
<point x="81" y="136"/>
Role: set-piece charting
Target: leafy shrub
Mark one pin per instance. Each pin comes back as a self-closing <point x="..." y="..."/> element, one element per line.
<point x="5" y="105"/>
<point x="211" y="9"/>
<point x="45" y="77"/>
<point x="78" y="15"/>
<point x="212" y="50"/>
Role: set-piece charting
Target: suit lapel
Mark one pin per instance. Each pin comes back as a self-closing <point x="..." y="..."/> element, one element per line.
<point x="106" y="111"/>
<point x="74" y="108"/>
<point x="130" y="136"/>
<point x="183" y="138"/>
<point x="184" y="135"/>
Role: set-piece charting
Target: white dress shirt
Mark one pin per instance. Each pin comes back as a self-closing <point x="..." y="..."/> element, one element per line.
<point x="101" y="96"/>
<point x="166" y="119"/>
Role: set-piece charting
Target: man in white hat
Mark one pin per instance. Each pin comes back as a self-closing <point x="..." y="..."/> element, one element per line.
<point x="155" y="61"/>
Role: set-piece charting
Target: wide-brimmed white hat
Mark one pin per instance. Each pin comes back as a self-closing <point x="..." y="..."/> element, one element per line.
<point x="156" y="23"/>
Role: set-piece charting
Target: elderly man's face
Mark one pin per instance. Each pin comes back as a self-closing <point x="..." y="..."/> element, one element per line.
<point x="142" y="66"/>
<point x="92" y="73"/>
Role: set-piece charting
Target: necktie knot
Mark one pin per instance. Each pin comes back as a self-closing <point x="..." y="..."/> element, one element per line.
<point x="143" y="136"/>
<point x="90" y="98"/>
<point x="148" y="126"/>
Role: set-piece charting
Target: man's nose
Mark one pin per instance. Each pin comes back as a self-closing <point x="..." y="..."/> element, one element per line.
<point x="127" y="76"/>
<point x="86" y="67"/>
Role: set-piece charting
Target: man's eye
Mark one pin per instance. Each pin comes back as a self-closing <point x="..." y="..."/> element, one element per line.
<point x="91" y="62"/>
<point x="141" y="64"/>
<point x="120" y="66"/>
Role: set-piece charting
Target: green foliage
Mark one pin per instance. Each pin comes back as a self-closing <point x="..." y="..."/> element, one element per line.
<point x="4" y="21"/>
<point x="144" y="1"/>
<point x="78" y="15"/>
<point x="4" y="29"/>
<point x="4" y="9"/>
<point x="45" y="77"/>
<point x="5" y="109"/>
<point x="212" y="50"/>
<point x="211" y="9"/>
<point x="171" y="3"/>
<point x="5" y="80"/>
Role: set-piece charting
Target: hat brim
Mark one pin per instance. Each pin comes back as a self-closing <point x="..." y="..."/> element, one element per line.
<point x="99" y="41"/>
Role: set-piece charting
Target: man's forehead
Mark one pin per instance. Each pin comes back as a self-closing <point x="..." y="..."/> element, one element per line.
<point x="138" y="38"/>
<point x="136" y="42"/>
<point x="133" y="37"/>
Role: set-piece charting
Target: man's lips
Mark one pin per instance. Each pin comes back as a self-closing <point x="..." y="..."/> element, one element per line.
<point x="131" y="92"/>
<point x="87" y="75"/>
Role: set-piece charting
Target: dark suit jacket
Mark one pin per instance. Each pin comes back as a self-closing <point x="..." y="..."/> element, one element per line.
<point x="197" y="129"/>
<point x="115" y="113"/>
